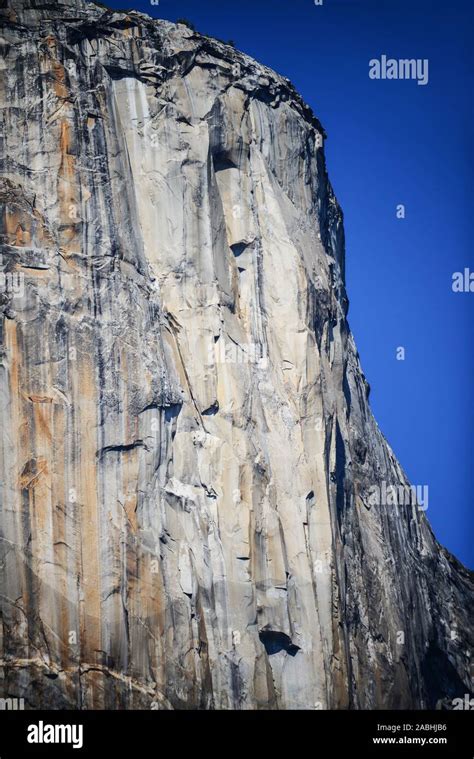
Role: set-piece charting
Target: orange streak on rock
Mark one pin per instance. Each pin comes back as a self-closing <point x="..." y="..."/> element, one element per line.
<point x="85" y="402"/>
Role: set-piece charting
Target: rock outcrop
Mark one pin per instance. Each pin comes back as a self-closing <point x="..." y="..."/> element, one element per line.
<point x="188" y="455"/>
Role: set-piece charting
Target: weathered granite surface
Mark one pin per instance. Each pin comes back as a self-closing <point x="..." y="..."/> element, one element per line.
<point x="187" y="445"/>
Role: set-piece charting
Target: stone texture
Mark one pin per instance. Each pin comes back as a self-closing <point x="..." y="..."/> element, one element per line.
<point x="187" y="444"/>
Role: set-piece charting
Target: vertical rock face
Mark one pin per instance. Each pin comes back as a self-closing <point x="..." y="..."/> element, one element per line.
<point x="188" y="456"/>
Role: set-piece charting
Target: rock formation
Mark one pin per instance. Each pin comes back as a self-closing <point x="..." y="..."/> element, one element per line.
<point x="188" y="455"/>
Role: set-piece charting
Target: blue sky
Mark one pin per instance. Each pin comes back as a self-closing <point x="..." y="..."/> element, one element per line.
<point x="390" y="142"/>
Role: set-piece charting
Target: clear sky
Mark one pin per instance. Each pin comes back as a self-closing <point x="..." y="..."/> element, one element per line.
<point x="390" y="142"/>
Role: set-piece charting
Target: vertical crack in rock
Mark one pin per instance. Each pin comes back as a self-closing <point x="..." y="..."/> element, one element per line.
<point x="187" y="447"/>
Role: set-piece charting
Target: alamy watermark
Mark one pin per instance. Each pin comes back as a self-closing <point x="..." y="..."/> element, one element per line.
<point x="466" y="703"/>
<point x="12" y="704"/>
<point x="403" y="68"/>
<point x="229" y="352"/>
<point x="399" y="495"/>
<point x="463" y="281"/>
<point x="44" y="733"/>
<point x="12" y="283"/>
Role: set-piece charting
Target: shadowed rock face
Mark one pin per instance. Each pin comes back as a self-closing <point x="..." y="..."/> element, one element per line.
<point x="188" y="451"/>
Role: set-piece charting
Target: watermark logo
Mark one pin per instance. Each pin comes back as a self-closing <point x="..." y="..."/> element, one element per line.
<point x="400" y="211"/>
<point x="42" y="733"/>
<point x="235" y="634"/>
<point x="150" y="134"/>
<point x="463" y="281"/>
<point x="466" y="703"/>
<point x="400" y="353"/>
<point x="12" y="704"/>
<point x="403" y="68"/>
<point x="321" y="567"/>
<point x="399" y="495"/>
<point x="224" y="352"/>
<point x="12" y="283"/>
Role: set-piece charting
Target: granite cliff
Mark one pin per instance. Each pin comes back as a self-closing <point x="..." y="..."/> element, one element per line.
<point x="188" y="454"/>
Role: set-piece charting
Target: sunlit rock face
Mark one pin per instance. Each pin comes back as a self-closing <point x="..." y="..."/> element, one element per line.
<point x="188" y="455"/>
